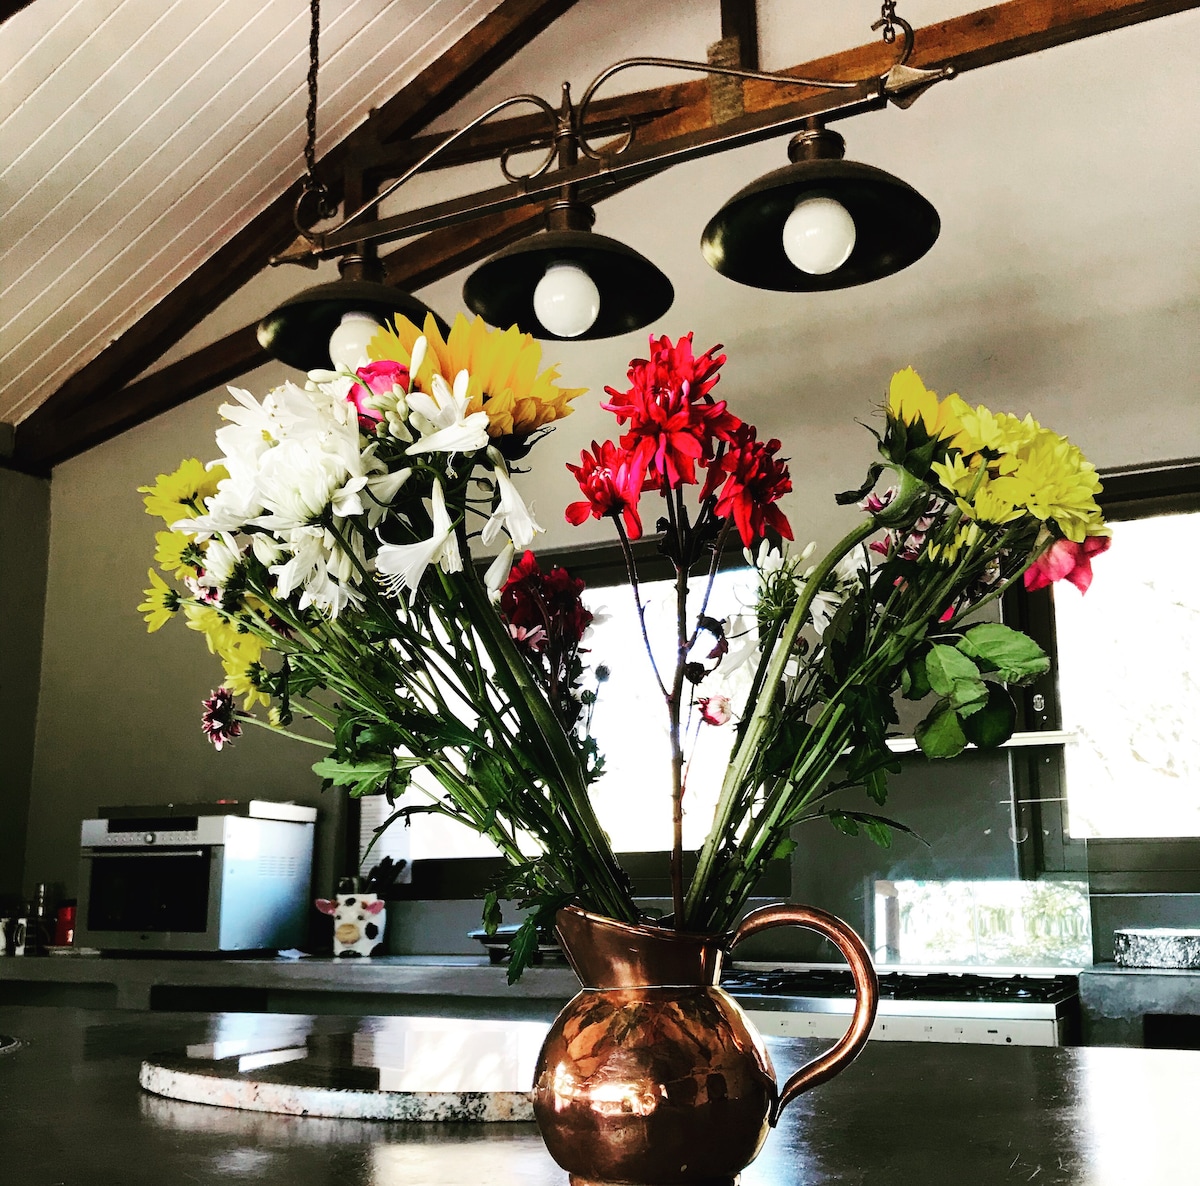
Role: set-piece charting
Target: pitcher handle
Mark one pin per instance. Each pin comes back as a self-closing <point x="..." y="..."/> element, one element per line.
<point x="866" y="991"/>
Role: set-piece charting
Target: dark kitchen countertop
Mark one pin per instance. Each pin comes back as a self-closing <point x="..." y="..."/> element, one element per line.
<point x="72" y="1114"/>
<point x="384" y="984"/>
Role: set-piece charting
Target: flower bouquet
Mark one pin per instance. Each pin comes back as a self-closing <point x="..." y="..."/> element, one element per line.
<point x="328" y="557"/>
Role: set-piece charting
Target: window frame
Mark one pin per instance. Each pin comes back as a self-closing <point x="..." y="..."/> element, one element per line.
<point x="1116" y="865"/>
<point x="599" y="565"/>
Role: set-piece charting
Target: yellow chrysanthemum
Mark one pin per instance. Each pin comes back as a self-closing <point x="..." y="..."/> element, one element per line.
<point x="998" y="434"/>
<point x="240" y="679"/>
<point x="161" y="603"/>
<point x="966" y="535"/>
<point x="911" y="402"/>
<point x="222" y="635"/>
<point x="503" y="366"/>
<point x="177" y="552"/>
<point x="180" y="495"/>
<point x="1054" y="481"/>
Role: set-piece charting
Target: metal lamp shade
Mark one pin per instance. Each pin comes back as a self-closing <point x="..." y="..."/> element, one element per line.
<point x="894" y="226"/>
<point x="298" y="331"/>
<point x="633" y="292"/>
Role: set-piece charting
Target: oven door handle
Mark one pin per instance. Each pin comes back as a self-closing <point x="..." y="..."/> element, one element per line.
<point x="144" y="852"/>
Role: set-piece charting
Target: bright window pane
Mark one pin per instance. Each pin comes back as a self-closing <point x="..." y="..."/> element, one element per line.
<point x="1129" y="662"/>
<point x="633" y="797"/>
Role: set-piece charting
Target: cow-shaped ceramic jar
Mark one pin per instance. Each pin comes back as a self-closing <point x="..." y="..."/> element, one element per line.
<point x="357" y="924"/>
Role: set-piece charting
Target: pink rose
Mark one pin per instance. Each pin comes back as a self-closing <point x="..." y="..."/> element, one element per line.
<point x="1065" y="559"/>
<point x="379" y="378"/>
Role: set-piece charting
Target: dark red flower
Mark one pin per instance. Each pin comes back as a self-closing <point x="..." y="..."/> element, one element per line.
<point x="1064" y="559"/>
<point x="378" y="378"/>
<point x="219" y="719"/>
<point x="673" y="420"/>
<point x="605" y="477"/>
<point x="754" y="480"/>
<point x="531" y="599"/>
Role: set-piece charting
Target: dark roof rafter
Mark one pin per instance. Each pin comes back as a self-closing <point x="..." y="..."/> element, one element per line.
<point x="454" y="74"/>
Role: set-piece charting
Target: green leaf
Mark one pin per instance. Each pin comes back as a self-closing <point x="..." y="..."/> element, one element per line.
<point x="994" y="723"/>
<point x="844" y="822"/>
<point x="783" y="850"/>
<point x="491" y="912"/>
<point x="522" y="948"/>
<point x="879" y="828"/>
<point x="940" y="734"/>
<point x="363" y="778"/>
<point x="914" y="681"/>
<point x="878" y="833"/>
<point x="782" y="749"/>
<point x="953" y="676"/>
<point x="848" y="496"/>
<point x="1013" y="656"/>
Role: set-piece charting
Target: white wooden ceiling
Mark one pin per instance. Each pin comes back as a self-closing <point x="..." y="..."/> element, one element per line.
<point x="136" y="136"/>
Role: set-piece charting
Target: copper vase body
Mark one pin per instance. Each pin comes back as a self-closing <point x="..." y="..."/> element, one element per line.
<point x="652" y="1075"/>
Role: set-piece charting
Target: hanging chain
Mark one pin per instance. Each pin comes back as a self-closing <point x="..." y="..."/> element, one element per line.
<point x="325" y="206"/>
<point x="887" y="21"/>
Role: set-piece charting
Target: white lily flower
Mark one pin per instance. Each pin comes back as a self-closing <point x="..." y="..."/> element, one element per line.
<point x="442" y="420"/>
<point x="511" y="513"/>
<point x="401" y="566"/>
<point x="498" y="571"/>
<point x="382" y="489"/>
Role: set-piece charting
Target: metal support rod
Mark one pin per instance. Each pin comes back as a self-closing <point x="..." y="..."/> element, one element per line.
<point x="488" y="201"/>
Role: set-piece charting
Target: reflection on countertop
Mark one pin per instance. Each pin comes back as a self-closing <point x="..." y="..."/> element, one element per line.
<point x="72" y="1114"/>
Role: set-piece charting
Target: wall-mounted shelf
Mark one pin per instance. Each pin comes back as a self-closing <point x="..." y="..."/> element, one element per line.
<point x="908" y="745"/>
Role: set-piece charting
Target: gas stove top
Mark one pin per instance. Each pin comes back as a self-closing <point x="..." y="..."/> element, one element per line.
<point x="1020" y="1008"/>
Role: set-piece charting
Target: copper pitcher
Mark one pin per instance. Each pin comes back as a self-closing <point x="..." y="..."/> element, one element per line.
<point x="652" y="1075"/>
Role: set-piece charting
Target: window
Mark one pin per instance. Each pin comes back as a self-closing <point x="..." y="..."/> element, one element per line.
<point x="1129" y="815"/>
<point x="629" y="722"/>
<point x="1129" y="684"/>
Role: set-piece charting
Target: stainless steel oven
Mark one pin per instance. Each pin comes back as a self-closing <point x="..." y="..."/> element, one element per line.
<point x="230" y="876"/>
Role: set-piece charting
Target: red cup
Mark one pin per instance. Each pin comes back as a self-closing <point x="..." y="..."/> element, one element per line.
<point x="64" y="926"/>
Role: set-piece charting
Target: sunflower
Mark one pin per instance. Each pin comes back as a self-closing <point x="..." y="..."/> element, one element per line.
<point x="180" y="495"/>
<point x="502" y="364"/>
<point x="161" y="603"/>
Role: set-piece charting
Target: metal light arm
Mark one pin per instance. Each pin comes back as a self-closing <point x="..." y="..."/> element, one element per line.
<point x="901" y="85"/>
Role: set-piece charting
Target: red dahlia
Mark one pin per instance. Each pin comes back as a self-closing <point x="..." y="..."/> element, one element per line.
<point x="673" y="420"/>
<point x="754" y="480"/>
<point x="605" y="477"/>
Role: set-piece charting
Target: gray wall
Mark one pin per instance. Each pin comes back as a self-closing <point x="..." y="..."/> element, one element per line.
<point x="119" y="719"/>
<point x="24" y="544"/>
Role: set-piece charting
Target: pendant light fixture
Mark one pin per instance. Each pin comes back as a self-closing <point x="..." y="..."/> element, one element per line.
<point x="328" y="326"/>
<point x="819" y="223"/>
<point x="569" y="284"/>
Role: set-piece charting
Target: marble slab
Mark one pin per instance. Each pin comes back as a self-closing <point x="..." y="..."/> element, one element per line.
<point x="386" y="1068"/>
<point x="1157" y="947"/>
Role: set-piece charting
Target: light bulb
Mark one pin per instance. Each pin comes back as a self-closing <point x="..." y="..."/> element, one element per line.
<point x="818" y="236"/>
<point x="566" y="300"/>
<point x="348" y="343"/>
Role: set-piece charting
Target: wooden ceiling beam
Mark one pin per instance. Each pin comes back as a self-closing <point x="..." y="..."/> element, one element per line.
<point x="999" y="33"/>
<point x="43" y="444"/>
<point x="504" y="31"/>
